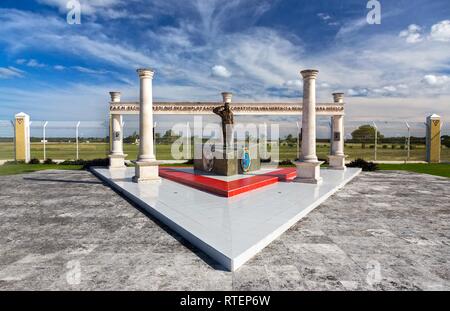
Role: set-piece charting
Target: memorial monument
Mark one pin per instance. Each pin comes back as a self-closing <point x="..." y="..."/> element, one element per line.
<point x="227" y="157"/>
<point x="226" y="204"/>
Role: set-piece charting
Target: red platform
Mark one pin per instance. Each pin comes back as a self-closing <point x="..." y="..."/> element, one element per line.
<point x="227" y="188"/>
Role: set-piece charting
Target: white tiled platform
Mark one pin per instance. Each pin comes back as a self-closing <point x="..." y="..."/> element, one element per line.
<point x="229" y="230"/>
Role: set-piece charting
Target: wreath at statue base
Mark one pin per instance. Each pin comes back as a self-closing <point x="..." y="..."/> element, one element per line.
<point x="231" y="161"/>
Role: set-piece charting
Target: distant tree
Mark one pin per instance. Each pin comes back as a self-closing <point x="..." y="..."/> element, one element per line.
<point x="131" y="139"/>
<point x="290" y="139"/>
<point x="365" y="134"/>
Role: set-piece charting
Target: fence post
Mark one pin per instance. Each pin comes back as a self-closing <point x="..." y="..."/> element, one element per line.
<point x="13" y="123"/>
<point x="76" y="137"/>
<point x="408" y="141"/>
<point x="43" y="139"/>
<point x="376" y="141"/>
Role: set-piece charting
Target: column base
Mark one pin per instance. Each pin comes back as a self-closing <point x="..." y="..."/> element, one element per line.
<point x="337" y="162"/>
<point x="146" y="172"/>
<point x="308" y="172"/>
<point x="117" y="160"/>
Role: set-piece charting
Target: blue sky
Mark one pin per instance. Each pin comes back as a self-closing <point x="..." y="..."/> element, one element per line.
<point x="398" y="70"/>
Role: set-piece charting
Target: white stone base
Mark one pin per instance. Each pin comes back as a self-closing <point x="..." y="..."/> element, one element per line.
<point x="308" y="172"/>
<point x="117" y="160"/>
<point x="146" y="172"/>
<point x="337" y="162"/>
<point x="228" y="230"/>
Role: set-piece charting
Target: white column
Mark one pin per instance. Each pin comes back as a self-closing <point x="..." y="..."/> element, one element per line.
<point x="337" y="147"/>
<point x="146" y="164"/>
<point x="146" y="152"/>
<point x="116" y="156"/>
<point x="309" y="116"/>
<point x="337" y="157"/>
<point x="308" y="168"/>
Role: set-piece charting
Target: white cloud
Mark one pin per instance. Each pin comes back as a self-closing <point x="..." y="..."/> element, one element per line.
<point x="10" y="72"/>
<point x="412" y="34"/>
<point x="59" y="67"/>
<point x="357" y="92"/>
<point x="327" y="19"/>
<point x="324" y="16"/>
<point x="30" y="63"/>
<point x="87" y="7"/>
<point x="88" y="70"/>
<point x="220" y="71"/>
<point x="351" y="27"/>
<point x="434" y="80"/>
<point x="35" y="63"/>
<point x="441" y="31"/>
<point x="294" y="83"/>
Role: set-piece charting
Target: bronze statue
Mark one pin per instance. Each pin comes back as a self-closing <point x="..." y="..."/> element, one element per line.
<point x="225" y="113"/>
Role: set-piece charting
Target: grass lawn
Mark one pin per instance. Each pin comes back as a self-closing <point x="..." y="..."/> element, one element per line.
<point x="12" y="169"/>
<point x="66" y="151"/>
<point x="439" y="169"/>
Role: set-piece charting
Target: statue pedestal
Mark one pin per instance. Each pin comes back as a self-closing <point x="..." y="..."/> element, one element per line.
<point x="230" y="162"/>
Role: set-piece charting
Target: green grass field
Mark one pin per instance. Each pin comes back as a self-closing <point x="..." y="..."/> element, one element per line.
<point x="12" y="169"/>
<point x="432" y="169"/>
<point x="65" y="151"/>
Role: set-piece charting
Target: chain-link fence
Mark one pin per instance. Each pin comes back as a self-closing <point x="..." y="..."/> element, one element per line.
<point x="6" y="140"/>
<point x="369" y="140"/>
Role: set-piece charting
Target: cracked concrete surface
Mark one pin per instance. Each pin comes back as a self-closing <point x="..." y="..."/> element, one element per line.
<point x="65" y="230"/>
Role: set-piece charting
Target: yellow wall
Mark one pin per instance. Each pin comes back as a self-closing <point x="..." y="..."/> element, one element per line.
<point x="20" y="139"/>
<point x="435" y="141"/>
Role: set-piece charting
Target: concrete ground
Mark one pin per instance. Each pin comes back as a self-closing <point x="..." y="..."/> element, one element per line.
<point x="65" y="230"/>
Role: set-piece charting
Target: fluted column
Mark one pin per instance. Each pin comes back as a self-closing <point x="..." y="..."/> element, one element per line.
<point x="308" y="168"/>
<point x="116" y="156"/>
<point x="146" y="164"/>
<point x="337" y="156"/>
<point x="146" y="151"/>
<point x="309" y="116"/>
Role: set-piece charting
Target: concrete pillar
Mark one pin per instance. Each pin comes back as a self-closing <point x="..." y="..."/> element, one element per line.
<point x="116" y="156"/>
<point x="146" y="164"/>
<point x="337" y="157"/>
<point x="433" y="139"/>
<point x="22" y="137"/>
<point x="308" y="168"/>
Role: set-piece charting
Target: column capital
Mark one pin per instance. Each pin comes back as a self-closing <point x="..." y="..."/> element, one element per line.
<point x="145" y="73"/>
<point x="309" y="73"/>
<point x="338" y="97"/>
<point x="115" y="96"/>
<point x="227" y="97"/>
